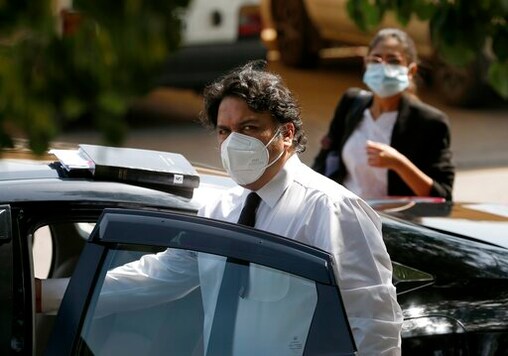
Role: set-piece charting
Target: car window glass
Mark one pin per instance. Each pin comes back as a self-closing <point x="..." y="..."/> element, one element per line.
<point x="84" y="229"/>
<point x="169" y="308"/>
<point x="67" y="238"/>
<point x="42" y="252"/>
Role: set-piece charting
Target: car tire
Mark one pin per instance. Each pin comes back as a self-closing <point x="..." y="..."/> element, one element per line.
<point x="297" y="38"/>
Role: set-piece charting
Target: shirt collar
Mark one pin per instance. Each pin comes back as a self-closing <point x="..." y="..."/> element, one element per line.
<point x="271" y="192"/>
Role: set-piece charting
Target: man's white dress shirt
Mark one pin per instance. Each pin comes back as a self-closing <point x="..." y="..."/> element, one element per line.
<point x="308" y="207"/>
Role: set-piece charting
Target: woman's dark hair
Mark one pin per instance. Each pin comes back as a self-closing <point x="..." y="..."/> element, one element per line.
<point x="407" y="42"/>
<point x="263" y="91"/>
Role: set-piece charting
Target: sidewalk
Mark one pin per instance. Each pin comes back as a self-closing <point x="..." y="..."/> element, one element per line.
<point x="482" y="185"/>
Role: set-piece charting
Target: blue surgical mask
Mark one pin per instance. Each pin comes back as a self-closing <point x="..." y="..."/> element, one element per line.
<point x="386" y="79"/>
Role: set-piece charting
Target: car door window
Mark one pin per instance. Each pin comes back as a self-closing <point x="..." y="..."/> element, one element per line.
<point x="156" y="283"/>
<point x="56" y="248"/>
<point x="148" y="315"/>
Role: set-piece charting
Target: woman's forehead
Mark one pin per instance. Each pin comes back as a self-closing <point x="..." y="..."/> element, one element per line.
<point x="387" y="46"/>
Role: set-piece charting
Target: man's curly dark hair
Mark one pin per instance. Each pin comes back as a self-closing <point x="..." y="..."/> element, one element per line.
<point x="263" y="91"/>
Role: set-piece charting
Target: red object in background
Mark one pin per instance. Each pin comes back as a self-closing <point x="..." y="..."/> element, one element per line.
<point x="249" y="22"/>
<point x="70" y="21"/>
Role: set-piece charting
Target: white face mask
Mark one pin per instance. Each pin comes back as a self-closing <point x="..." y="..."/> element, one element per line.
<point x="245" y="158"/>
<point x="386" y="79"/>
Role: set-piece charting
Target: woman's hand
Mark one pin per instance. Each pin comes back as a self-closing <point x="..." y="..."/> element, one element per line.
<point x="383" y="156"/>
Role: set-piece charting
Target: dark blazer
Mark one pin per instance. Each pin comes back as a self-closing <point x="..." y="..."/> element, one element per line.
<point x="421" y="133"/>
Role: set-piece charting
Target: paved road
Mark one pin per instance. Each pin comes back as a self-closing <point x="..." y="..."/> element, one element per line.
<point x="479" y="137"/>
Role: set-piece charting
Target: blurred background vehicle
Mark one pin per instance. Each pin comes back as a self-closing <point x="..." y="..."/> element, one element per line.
<point x="216" y="37"/>
<point x="304" y="30"/>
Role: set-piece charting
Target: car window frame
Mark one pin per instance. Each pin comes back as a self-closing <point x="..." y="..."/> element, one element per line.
<point x="140" y="227"/>
<point x="26" y="218"/>
<point x="6" y="279"/>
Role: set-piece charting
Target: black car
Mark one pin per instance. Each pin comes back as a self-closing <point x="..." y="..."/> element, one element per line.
<point x="78" y="218"/>
<point x="457" y="300"/>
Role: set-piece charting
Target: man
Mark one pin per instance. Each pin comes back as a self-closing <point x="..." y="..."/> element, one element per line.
<point x="259" y="129"/>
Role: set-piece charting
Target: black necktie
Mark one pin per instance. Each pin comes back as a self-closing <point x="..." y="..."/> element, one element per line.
<point x="235" y="281"/>
<point x="248" y="214"/>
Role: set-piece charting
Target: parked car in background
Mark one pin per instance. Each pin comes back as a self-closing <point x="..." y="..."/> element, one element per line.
<point x="78" y="218"/>
<point x="217" y="36"/>
<point x="300" y="29"/>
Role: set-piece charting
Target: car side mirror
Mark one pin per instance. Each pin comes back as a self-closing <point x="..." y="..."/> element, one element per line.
<point x="407" y="279"/>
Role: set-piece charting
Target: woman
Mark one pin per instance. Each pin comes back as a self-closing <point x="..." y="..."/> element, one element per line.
<point x="387" y="142"/>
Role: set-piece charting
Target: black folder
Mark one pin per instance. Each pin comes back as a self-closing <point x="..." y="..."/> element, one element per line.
<point x="160" y="170"/>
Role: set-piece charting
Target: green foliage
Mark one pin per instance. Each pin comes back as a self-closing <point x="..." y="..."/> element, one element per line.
<point x="365" y="13"/>
<point x="111" y="53"/>
<point x="498" y="73"/>
<point x="460" y="30"/>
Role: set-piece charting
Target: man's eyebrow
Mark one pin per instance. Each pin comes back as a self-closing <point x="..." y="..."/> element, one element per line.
<point x="249" y="120"/>
<point x="243" y="122"/>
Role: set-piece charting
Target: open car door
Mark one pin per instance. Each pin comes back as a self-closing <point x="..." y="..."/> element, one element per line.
<point x="150" y="283"/>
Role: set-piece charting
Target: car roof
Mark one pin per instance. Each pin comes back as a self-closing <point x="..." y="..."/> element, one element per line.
<point x="39" y="180"/>
<point x="485" y="222"/>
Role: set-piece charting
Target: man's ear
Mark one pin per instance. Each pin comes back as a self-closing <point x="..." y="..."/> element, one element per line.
<point x="288" y="133"/>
